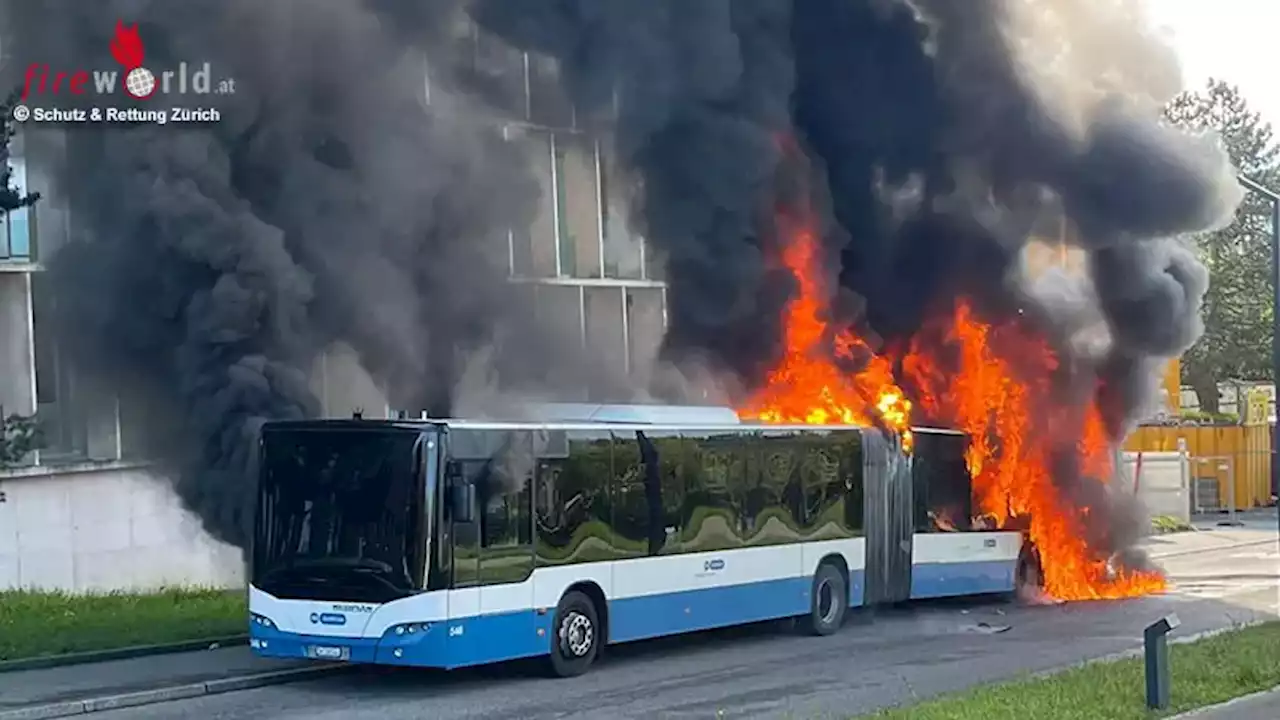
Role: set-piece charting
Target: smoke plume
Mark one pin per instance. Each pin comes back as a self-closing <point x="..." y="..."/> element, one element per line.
<point x="944" y="136"/>
<point x="212" y="264"/>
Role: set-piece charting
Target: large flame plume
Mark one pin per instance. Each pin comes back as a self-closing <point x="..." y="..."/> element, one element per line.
<point x="996" y="382"/>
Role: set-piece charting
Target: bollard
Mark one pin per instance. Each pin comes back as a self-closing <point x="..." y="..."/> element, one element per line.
<point x="1155" y="645"/>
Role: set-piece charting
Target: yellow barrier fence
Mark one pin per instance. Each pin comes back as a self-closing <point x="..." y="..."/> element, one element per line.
<point x="1218" y="452"/>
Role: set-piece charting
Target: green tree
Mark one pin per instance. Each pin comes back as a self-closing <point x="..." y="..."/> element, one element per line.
<point x="1238" y="308"/>
<point x="19" y="434"/>
<point x="10" y="197"/>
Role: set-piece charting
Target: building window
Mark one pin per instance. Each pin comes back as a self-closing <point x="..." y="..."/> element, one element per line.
<point x="57" y="395"/>
<point x="533" y="248"/>
<point x="560" y="313"/>
<point x="645" y="327"/>
<point x="624" y="250"/>
<point x="606" y="327"/>
<point x="16" y="244"/>
<point x="577" y="206"/>
<point x="655" y="265"/>
<point x="549" y="106"/>
<point x="499" y="75"/>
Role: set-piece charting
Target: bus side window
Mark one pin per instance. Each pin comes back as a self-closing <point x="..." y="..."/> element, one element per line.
<point x="505" y="492"/>
<point x="637" y="495"/>
<point x="778" y="493"/>
<point x="943" y="488"/>
<point x="662" y="485"/>
<point x="851" y="471"/>
<point x="713" y="473"/>
<point x="573" y="498"/>
<point x="823" y="486"/>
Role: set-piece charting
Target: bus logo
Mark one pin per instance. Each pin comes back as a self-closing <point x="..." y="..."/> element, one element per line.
<point x="989" y="542"/>
<point x="713" y="565"/>
<point x="328" y="619"/>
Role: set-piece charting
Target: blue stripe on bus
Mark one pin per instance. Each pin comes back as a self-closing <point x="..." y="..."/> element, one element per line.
<point x="483" y="639"/>
<point x="936" y="580"/>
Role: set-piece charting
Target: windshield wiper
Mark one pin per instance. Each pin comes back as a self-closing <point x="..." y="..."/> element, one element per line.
<point x="345" y="563"/>
<point x="363" y="566"/>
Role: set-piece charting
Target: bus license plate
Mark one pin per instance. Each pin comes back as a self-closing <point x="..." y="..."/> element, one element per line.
<point x="329" y="652"/>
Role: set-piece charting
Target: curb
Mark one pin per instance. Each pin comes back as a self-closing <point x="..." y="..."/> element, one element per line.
<point x="1229" y="546"/>
<point x="1242" y="700"/>
<point x="125" y="653"/>
<point x="165" y="694"/>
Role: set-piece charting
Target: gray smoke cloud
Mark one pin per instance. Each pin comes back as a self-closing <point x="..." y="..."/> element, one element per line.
<point x="211" y="265"/>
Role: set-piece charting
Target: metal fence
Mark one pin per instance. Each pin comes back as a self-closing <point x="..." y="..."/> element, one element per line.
<point x="1229" y="465"/>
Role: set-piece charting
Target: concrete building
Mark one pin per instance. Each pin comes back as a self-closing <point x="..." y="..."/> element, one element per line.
<point x="87" y="512"/>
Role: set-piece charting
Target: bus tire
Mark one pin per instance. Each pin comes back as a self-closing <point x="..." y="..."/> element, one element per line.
<point x="576" y="635"/>
<point x="829" y="601"/>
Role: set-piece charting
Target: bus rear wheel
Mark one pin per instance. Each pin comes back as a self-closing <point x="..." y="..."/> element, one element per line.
<point x="829" y="601"/>
<point x="575" y="635"/>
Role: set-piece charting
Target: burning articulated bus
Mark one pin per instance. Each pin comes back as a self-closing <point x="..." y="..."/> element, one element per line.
<point x="450" y="543"/>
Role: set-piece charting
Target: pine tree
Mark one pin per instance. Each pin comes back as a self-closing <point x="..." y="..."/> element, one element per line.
<point x="1236" y="344"/>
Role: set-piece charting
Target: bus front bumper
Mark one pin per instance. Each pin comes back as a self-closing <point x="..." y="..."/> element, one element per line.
<point x="416" y="644"/>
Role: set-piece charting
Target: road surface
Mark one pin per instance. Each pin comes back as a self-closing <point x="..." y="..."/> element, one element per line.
<point x="766" y="672"/>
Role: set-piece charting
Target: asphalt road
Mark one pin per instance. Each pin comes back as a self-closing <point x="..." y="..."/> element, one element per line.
<point x="767" y="672"/>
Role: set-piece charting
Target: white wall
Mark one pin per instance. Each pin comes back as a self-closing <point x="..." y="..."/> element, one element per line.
<point x="1162" y="482"/>
<point x="104" y="529"/>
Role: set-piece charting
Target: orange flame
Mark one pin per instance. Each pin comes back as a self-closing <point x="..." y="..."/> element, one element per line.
<point x="126" y="46"/>
<point x="808" y="387"/>
<point x="1010" y="453"/>
<point x="980" y="392"/>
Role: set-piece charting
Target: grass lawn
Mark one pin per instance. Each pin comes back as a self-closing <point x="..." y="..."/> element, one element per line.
<point x="34" y="624"/>
<point x="1164" y="524"/>
<point x="1210" y="671"/>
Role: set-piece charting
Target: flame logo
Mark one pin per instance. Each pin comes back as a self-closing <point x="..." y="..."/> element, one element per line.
<point x="126" y="46"/>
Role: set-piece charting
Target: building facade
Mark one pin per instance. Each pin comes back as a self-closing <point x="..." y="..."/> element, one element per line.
<point x="88" y="513"/>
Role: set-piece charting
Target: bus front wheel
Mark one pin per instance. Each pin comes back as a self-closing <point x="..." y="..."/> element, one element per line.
<point x="829" y="601"/>
<point x="575" y="635"/>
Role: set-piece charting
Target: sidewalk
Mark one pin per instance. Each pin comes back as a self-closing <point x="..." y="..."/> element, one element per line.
<point x="1262" y="706"/>
<point x="1208" y="537"/>
<point x="121" y="683"/>
<point x="1257" y="519"/>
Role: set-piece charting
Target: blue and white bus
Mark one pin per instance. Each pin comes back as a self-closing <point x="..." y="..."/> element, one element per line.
<point x="448" y="543"/>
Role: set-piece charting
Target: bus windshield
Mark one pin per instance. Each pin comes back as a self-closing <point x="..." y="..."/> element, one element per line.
<point x="340" y="514"/>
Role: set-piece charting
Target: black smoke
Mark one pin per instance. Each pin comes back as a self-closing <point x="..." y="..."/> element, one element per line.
<point x="939" y="151"/>
<point x="888" y="97"/>
<point x="210" y="266"/>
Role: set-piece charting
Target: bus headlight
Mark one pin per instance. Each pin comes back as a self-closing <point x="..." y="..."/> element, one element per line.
<point x="412" y="628"/>
<point x="262" y="621"/>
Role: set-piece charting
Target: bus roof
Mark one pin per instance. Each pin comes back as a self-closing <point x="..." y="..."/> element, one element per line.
<point x="592" y="416"/>
<point x="738" y="427"/>
<point x="419" y="425"/>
